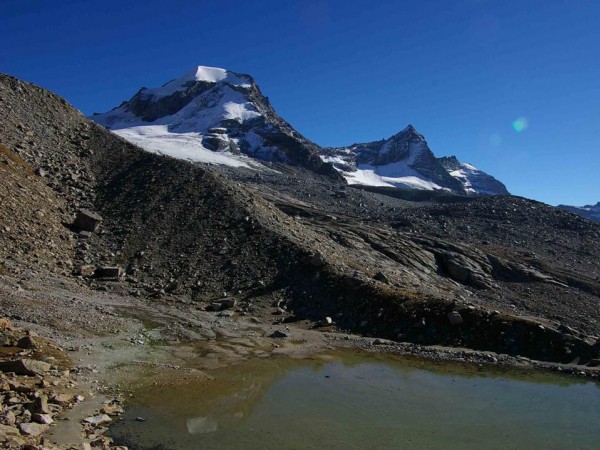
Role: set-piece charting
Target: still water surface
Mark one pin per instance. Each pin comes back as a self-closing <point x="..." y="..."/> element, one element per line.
<point x="357" y="401"/>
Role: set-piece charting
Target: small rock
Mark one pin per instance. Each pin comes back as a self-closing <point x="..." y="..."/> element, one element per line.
<point x="32" y="429"/>
<point x="44" y="419"/>
<point x="140" y="419"/>
<point x="112" y="410"/>
<point x="7" y="418"/>
<point x="62" y="399"/>
<point x="380" y="276"/>
<point x="228" y="303"/>
<point x="280" y="334"/>
<point x="26" y="342"/>
<point x="455" y="318"/>
<point x="326" y="321"/>
<point x="40" y="404"/>
<point x="100" y="419"/>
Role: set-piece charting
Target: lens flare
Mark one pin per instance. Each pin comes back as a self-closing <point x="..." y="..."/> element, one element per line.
<point x="495" y="139"/>
<point x="520" y="124"/>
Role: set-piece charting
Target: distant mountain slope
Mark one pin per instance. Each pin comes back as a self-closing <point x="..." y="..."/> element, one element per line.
<point x="473" y="180"/>
<point x="591" y="212"/>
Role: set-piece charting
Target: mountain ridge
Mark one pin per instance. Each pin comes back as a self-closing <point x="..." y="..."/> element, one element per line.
<point x="216" y="116"/>
<point x="591" y="212"/>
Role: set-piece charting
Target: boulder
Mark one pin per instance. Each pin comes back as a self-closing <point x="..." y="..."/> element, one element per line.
<point x="25" y="367"/>
<point x="317" y="260"/>
<point x="87" y="220"/>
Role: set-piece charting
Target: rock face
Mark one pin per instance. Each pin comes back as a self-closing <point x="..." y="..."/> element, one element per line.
<point x="591" y="212"/>
<point x="405" y="161"/>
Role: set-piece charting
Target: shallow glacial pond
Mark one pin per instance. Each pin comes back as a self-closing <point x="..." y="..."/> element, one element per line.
<point x="361" y="401"/>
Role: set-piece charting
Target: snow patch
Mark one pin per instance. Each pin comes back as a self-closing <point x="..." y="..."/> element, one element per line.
<point x="187" y="146"/>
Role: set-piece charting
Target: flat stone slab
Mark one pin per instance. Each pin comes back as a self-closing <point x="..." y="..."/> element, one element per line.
<point x="25" y="367"/>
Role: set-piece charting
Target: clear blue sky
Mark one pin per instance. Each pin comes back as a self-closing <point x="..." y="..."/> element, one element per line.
<point x="461" y="71"/>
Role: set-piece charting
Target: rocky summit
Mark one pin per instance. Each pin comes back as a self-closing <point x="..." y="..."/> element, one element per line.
<point x="106" y="246"/>
<point x="216" y="116"/>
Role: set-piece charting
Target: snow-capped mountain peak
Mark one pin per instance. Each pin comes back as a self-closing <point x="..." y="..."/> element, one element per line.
<point x="216" y="116"/>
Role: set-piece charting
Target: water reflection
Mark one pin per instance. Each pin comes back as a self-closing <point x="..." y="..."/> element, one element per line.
<point x="352" y="400"/>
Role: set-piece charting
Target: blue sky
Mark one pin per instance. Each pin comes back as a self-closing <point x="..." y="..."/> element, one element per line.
<point x="511" y="86"/>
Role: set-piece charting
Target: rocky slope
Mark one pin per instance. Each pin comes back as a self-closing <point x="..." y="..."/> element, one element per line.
<point x="215" y="116"/>
<point x="500" y="273"/>
<point x="591" y="212"/>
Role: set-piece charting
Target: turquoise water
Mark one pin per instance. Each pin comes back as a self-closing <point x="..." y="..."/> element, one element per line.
<point x="360" y="402"/>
